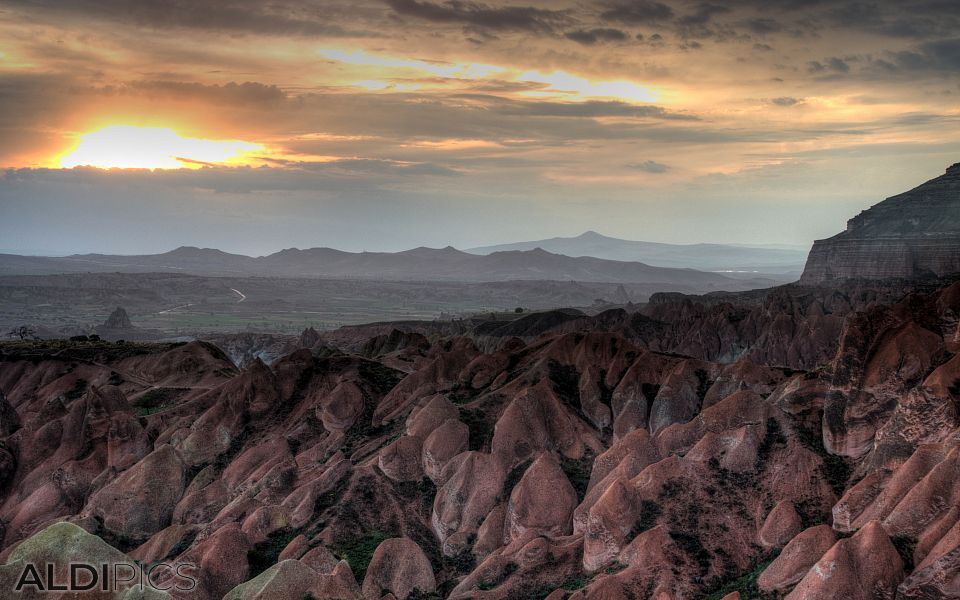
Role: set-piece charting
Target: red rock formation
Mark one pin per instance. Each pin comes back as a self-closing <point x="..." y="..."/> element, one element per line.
<point x="863" y="567"/>
<point x="399" y="567"/>
<point x="580" y="464"/>
<point x="796" y="559"/>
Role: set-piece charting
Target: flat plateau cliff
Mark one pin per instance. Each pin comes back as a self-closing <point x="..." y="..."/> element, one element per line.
<point x="913" y="234"/>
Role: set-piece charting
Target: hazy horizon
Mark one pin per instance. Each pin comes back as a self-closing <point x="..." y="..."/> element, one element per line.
<point x="41" y="253"/>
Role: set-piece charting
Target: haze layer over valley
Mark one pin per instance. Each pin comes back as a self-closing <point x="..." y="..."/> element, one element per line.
<point x="194" y="291"/>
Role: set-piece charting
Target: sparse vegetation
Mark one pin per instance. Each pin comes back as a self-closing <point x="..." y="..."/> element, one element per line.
<point x="774" y="437"/>
<point x="23" y="332"/>
<point x="359" y="551"/>
<point x="78" y="389"/>
<point x="156" y="400"/>
<point x="905" y="546"/>
<point x="836" y="470"/>
<point x="615" y="567"/>
<point x="575" y="582"/>
<point x="578" y="472"/>
<point x="672" y="488"/>
<point x="566" y="382"/>
<point x="421" y="595"/>
<point x="513" y="478"/>
<point x="181" y="546"/>
<point x="67" y="350"/>
<point x="746" y="585"/>
<point x="509" y="569"/>
<point x="649" y="512"/>
<point x="955" y="388"/>
<point x="693" y="547"/>
<point x="264" y="555"/>
<point x="481" y="431"/>
<point x="380" y="376"/>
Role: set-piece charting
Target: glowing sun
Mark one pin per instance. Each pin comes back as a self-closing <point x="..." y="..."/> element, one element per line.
<point x="128" y="147"/>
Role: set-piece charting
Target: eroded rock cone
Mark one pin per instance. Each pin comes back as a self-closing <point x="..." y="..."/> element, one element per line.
<point x="62" y="544"/>
<point x="797" y="557"/>
<point x="542" y="502"/>
<point x="400" y="567"/>
<point x="140" y="502"/>
<point x="855" y="568"/>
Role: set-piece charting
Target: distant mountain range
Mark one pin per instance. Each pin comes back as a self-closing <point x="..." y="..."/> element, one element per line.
<point x="419" y="264"/>
<point x="774" y="259"/>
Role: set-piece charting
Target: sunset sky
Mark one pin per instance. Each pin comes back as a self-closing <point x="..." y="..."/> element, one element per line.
<point x="389" y="124"/>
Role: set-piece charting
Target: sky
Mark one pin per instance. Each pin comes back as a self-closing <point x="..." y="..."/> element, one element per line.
<point x="390" y="124"/>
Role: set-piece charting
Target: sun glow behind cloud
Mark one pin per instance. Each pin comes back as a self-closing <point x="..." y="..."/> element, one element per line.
<point x="574" y="87"/>
<point x="129" y="147"/>
<point x="437" y="69"/>
<point x="556" y="84"/>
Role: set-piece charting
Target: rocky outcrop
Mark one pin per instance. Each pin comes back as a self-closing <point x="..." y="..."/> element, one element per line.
<point x="64" y="544"/>
<point x="118" y="319"/>
<point x="797" y="557"/>
<point x="399" y="567"/>
<point x="914" y="234"/>
<point x="140" y="502"/>
<point x="863" y="567"/>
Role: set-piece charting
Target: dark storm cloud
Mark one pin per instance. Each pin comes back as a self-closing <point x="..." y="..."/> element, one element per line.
<point x="525" y="18"/>
<point x="240" y="16"/>
<point x="600" y="34"/>
<point x="763" y="26"/>
<point x="370" y="166"/>
<point x="830" y="65"/>
<point x="704" y="13"/>
<point x="786" y="101"/>
<point x="941" y="55"/>
<point x="248" y="93"/>
<point x="588" y="109"/>
<point x="337" y="175"/>
<point x="918" y="19"/>
<point x="856" y="14"/>
<point x="700" y="23"/>
<point x="649" y="166"/>
<point x="637" y="12"/>
<point x="39" y="100"/>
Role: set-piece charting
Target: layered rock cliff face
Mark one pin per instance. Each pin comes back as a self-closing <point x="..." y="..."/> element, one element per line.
<point x="914" y="234"/>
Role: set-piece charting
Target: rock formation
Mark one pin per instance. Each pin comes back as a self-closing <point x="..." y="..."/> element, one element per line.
<point x="913" y="234"/>
<point x="581" y="458"/>
<point x="118" y="319"/>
